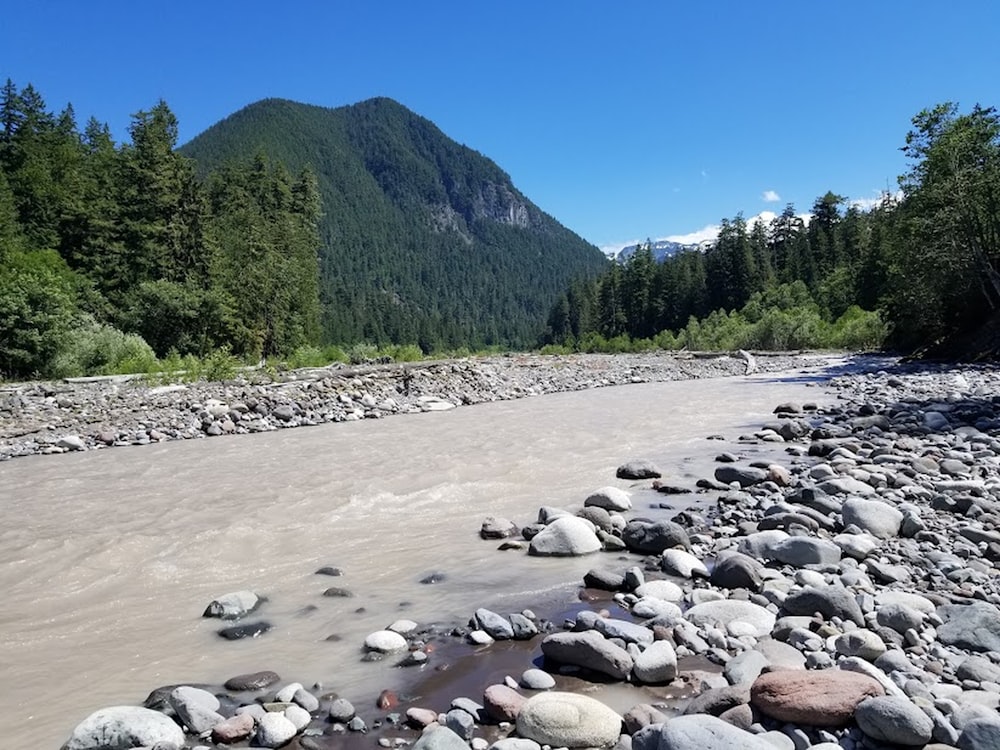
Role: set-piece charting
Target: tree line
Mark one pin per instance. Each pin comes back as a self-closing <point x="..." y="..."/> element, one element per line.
<point x="919" y="271"/>
<point x="112" y="252"/>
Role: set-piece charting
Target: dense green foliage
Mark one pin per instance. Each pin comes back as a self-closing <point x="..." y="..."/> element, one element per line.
<point x="918" y="269"/>
<point x="112" y="254"/>
<point x="422" y="240"/>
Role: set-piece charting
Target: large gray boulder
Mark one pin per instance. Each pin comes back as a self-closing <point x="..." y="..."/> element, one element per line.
<point x="805" y="550"/>
<point x="745" y="476"/>
<point x="610" y="499"/>
<point x="440" y="738"/>
<point x="125" y="727"/>
<point x="980" y="734"/>
<point x="652" y="537"/>
<point x="588" y="649"/>
<point x="829" y="601"/>
<point x="737" y="571"/>
<point x="197" y="708"/>
<point x="879" y="519"/>
<point x="726" y="611"/>
<point x="657" y="664"/>
<point x="974" y="626"/>
<point x="568" y="536"/>
<point x="706" y="732"/>
<point x="568" y="720"/>
<point x="893" y="719"/>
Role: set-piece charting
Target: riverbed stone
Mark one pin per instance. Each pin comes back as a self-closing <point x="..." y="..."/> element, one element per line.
<point x="729" y="610"/>
<point x="653" y="537"/>
<point x="745" y="476"/>
<point x="975" y="626"/>
<point x="819" y="698"/>
<point x="440" y="738"/>
<point x="502" y="703"/>
<point x="657" y="664"/>
<point x="385" y="641"/>
<point x="234" y="729"/>
<point x="198" y="709"/>
<point x="879" y="519"/>
<point x="568" y="536"/>
<point x="498" y="626"/>
<point x="830" y="601"/>
<point x="980" y="734"/>
<point x="537" y="679"/>
<point x="274" y="730"/>
<point x="893" y="719"/>
<point x="497" y="528"/>
<point x="232" y="606"/>
<point x="679" y="562"/>
<point x="707" y="733"/>
<point x="252" y="681"/>
<point x="799" y="551"/>
<point x="612" y="499"/>
<point x="638" y="469"/>
<point x="588" y="649"/>
<point x="123" y="728"/>
<point x="568" y="720"/>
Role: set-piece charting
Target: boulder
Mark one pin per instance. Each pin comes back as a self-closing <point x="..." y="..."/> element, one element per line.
<point x="657" y="664"/>
<point x="821" y="698"/>
<point x="568" y="720"/>
<point x="726" y="611"/>
<point x="974" y="626"/>
<point x="440" y="738"/>
<point x="385" y="641"/>
<point x="568" y="536"/>
<point x="198" y="709"/>
<point x="980" y="734"/>
<point x="804" y="550"/>
<point x="498" y="626"/>
<point x="232" y="606"/>
<point x="678" y="562"/>
<point x="829" y="601"/>
<point x="879" y="519"/>
<point x="667" y="591"/>
<point x="737" y="571"/>
<point x="123" y="728"/>
<point x="252" y="681"/>
<point x="707" y="733"/>
<point x="497" y="528"/>
<point x="588" y="649"/>
<point x="638" y="469"/>
<point x="502" y="703"/>
<point x="653" y="537"/>
<point x="610" y="499"/>
<point x="745" y="476"/>
<point x="892" y="719"/>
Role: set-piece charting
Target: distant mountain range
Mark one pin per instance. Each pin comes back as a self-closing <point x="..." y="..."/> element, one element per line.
<point x="423" y="239"/>
<point x="662" y="249"/>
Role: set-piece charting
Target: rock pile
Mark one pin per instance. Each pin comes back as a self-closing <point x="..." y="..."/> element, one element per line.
<point x="87" y="414"/>
<point x="845" y="598"/>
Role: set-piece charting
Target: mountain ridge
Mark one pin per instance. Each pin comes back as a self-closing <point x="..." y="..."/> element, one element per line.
<point x="422" y="238"/>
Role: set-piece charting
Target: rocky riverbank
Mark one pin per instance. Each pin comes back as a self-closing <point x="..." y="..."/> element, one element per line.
<point x="844" y="595"/>
<point x="87" y="414"/>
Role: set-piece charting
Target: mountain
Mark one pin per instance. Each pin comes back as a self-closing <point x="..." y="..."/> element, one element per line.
<point x="662" y="249"/>
<point x="422" y="239"/>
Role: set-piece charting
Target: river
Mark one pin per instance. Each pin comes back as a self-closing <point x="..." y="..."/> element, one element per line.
<point x="108" y="558"/>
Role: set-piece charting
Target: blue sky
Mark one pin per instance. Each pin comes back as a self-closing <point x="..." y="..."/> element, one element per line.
<point x="624" y="121"/>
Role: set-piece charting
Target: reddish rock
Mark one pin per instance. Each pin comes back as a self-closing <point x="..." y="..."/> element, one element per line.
<point x="502" y="703"/>
<point x="387" y="700"/>
<point x="824" y="698"/>
<point x="233" y="729"/>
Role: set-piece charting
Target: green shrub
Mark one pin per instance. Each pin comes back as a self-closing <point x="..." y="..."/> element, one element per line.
<point x="555" y="349"/>
<point x="219" y="365"/>
<point x="99" y="349"/>
<point x="307" y="356"/>
<point x="858" y="329"/>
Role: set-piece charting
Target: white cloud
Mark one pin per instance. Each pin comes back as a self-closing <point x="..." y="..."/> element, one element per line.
<point x="709" y="232"/>
<point x="770" y="196"/>
<point x="867" y="204"/>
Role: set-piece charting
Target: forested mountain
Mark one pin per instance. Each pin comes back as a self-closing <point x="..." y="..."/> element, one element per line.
<point x="919" y="272"/>
<point x="421" y="239"/>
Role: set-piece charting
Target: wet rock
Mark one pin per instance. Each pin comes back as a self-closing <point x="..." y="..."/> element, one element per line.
<point x="245" y="630"/>
<point x="638" y="469"/>
<point x="745" y="476"/>
<point x="385" y="641"/>
<point x="342" y="710"/>
<point x="497" y="528"/>
<point x="274" y="730"/>
<point x="252" y="681"/>
<point x="588" y="649"/>
<point x="233" y="606"/>
<point x="497" y="626"/>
